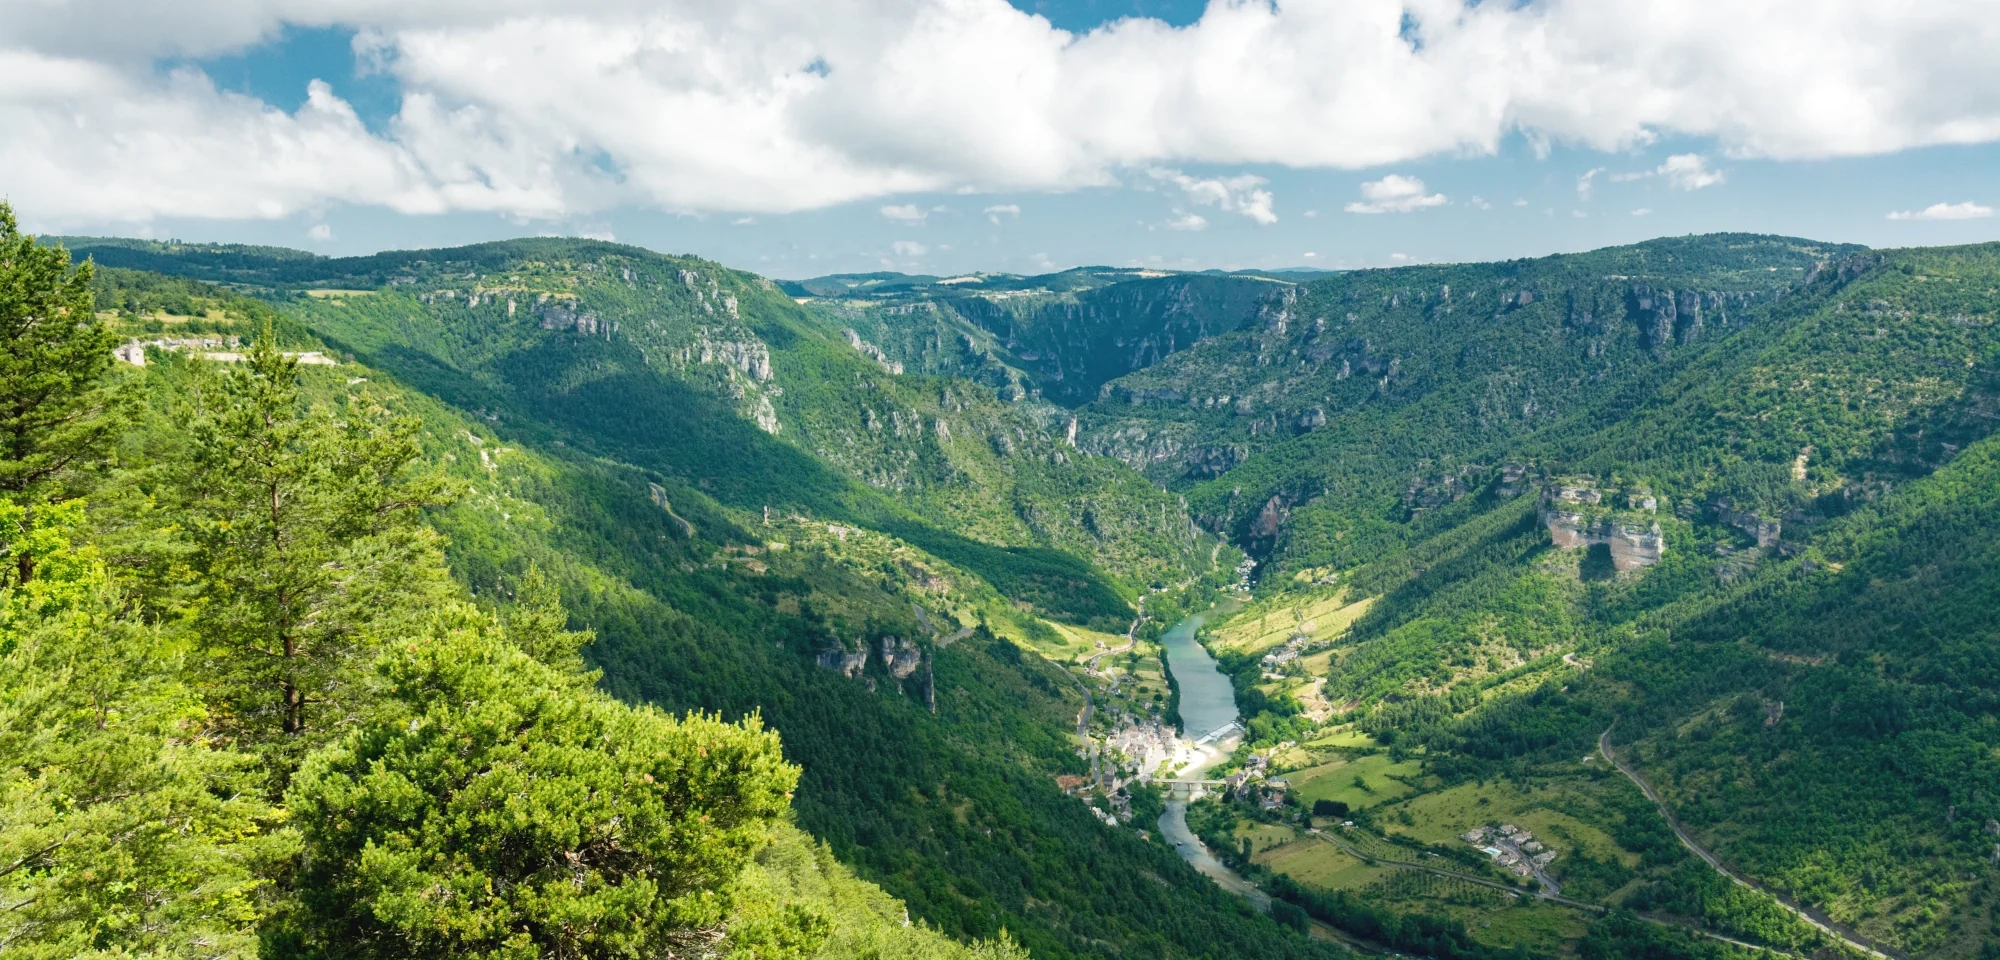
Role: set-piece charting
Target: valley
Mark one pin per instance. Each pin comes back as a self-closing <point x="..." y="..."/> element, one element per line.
<point x="1118" y="612"/>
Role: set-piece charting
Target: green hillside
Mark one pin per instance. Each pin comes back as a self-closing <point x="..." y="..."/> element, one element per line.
<point x="1721" y="508"/>
<point x="935" y="782"/>
<point x="1058" y="337"/>
<point x="1785" y="628"/>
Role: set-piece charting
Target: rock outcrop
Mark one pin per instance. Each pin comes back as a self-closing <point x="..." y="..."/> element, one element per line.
<point x="1766" y="531"/>
<point x="847" y="663"/>
<point x="900" y="657"/>
<point x="1635" y="543"/>
<point x="1215" y="460"/>
<point x="872" y="351"/>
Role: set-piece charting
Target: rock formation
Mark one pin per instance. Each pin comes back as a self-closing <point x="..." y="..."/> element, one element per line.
<point x="1635" y="543"/>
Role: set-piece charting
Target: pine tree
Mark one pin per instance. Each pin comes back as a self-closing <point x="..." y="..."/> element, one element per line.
<point x="126" y="827"/>
<point x="493" y="808"/>
<point x="538" y="625"/>
<point x="57" y="412"/>
<point x="308" y="547"/>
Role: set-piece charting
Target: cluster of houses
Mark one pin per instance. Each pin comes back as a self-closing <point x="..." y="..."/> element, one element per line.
<point x="219" y="348"/>
<point x="1514" y="849"/>
<point x="1283" y="655"/>
<point x="1253" y="785"/>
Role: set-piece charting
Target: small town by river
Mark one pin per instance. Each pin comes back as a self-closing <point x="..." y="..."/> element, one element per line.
<point x="1208" y="705"/>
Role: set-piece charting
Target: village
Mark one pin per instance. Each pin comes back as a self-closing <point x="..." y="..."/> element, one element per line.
<point x="1514" y="849"/>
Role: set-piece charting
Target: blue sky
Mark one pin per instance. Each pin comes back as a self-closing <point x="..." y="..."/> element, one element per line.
<point x="1530" y="188"/>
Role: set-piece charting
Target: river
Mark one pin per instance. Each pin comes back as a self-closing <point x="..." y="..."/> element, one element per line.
<point x="1208" y="704"/>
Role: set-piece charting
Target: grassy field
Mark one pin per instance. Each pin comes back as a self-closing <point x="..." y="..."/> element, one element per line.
<point x="1322" y="615"/>
<point x="1442" y="816"/>
<point x="1264" y="836"/>
<point x="1316" y="863"/>
<point x="1344" y="737"/>
<point x="1360" y="783"/>
<point x="1541" y="928"/>
<point x="1059" y="642"/>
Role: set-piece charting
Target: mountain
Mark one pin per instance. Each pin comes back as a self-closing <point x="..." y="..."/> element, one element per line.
<point x="1725" y="498"/>
<point x="1057" y="337"/>
<point x="1517" y="570"/>
<point x="623" y="434"/>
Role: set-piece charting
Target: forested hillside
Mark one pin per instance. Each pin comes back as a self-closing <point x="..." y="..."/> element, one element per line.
<point x="1747" y="536"/>
<point x="843" y="632"/>
<point x="1719" y="508"/>
<point x="1058" y="337"/>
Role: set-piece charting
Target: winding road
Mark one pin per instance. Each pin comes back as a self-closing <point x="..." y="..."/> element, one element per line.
<point x="1819" y="920"/>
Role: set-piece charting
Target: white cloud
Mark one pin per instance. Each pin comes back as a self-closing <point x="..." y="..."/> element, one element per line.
<point x="1689" y="171"/>
<point x="743" y="222"/>
<point x="1310" y="254"/>
<point x="1521" y="201"/>
<point x="1479" y="203"/>
<point x="1183" y="220"/>
<point x="1394" y="193"/>
<point x="320" y="233"/>
<point x="1685" y="171"/>
<point x="526" y="107"/>
<point x="905" y="213"/>
<point x="1642" y="211"/>
<point x="1946" y="211"/>
<point x="909" y="248"/>
<point x="1583" y="182"/>
<point x="1399" y="258"/>
<point x="998" y="210"/>
<point x="1242" y="194"/>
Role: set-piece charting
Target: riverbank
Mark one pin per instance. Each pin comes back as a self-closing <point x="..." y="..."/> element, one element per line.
<point x="1207" y="707"/>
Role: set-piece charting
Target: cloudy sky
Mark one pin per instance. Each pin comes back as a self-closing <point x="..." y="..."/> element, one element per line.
<point x="803" y="137"/>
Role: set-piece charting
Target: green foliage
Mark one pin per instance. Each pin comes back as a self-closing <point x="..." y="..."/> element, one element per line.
<point x="56" y="410"/>
<point x="1622" y="936"/>
<point x="491" y="810"/>
<point x="127" y="828"/>
<point x="1441" y="937"/>
<point x="305" y="545"/>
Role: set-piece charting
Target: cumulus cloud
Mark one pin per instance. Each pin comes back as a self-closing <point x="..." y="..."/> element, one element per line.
<point x="1946" y="211"/>
<point x="553" y="109"/>
<point x="998" y="210"/>
<point x="1642" y="211"/>
<point x="1244" y="194"/>
<point x="909" y="248"/>
<point x="1183" y="220"/>
<point x="1394" y="193"/>
<point x="1479" y="203"/>
<point x="906" y="213"/>
<point x="320" y="233"/>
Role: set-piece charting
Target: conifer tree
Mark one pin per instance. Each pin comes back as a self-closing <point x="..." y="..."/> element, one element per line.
<point x="126" y="827"/>
<point x="492" y="808"/>
<point x="308" y="546"/>
<point x="56" y="410"/>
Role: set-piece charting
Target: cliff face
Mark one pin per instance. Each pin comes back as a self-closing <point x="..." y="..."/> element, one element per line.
<point x="1636" y="542"/>
<point x="1076" y="343"/>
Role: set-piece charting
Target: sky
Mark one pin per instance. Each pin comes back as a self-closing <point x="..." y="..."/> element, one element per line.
<point x="796" y="138"/>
